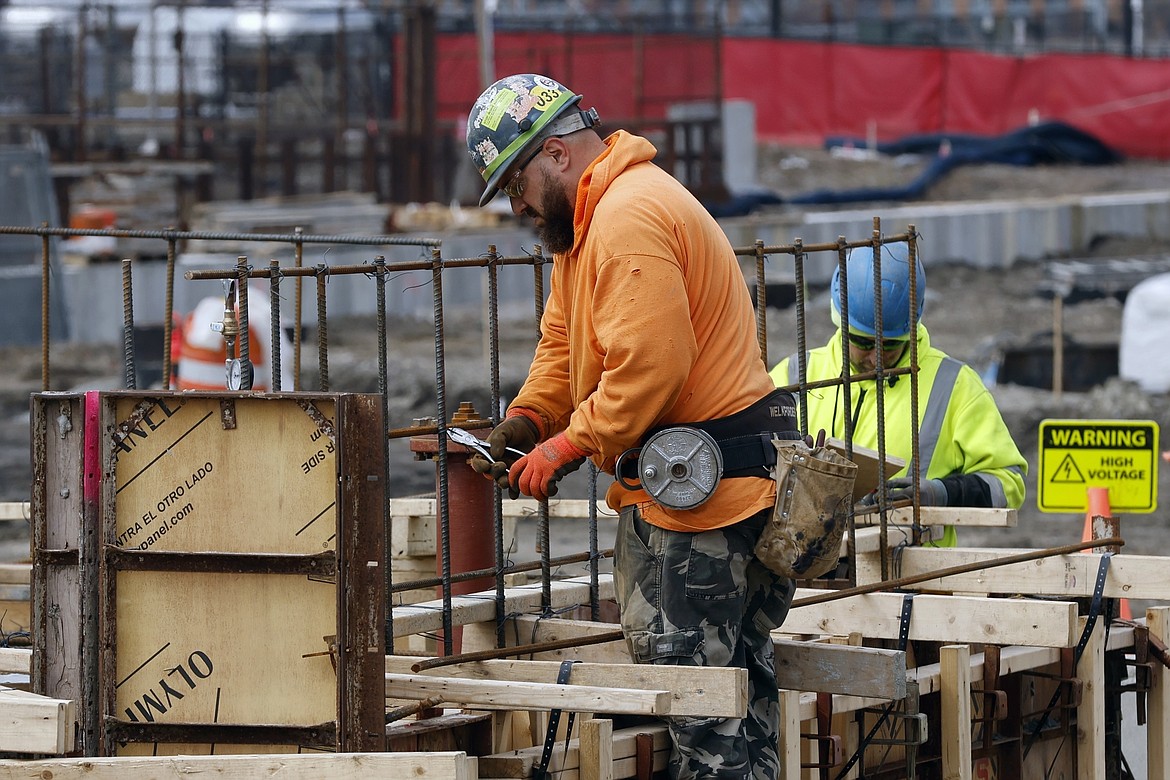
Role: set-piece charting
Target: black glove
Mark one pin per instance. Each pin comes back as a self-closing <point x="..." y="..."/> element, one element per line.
<point x="516" y="432"/>
<point x="932" y="492"/>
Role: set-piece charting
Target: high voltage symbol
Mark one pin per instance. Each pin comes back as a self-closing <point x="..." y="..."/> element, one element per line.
<point x="1067" y="471"/>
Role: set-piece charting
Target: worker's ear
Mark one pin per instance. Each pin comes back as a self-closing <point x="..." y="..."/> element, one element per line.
<point x="559" y="153"/>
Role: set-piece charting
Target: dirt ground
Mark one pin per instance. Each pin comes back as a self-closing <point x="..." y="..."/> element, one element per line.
<point x="973" y="314"/>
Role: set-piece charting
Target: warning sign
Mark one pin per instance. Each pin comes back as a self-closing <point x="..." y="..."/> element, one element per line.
<point x="1075" y="455"/>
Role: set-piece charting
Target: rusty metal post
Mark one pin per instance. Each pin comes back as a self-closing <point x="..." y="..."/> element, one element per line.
<point x="470" y="501"/>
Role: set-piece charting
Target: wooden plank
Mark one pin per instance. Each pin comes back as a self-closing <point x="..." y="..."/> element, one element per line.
<point x="1158" y="701"/>
<point x="1071" y="576"/>
<point x="1090" y="729"/>
<point x="15" y="511"/>
<point x="15" y="660"/>
<point x="790" y="735"/>
<point x="859" y="671"/>
<point x="967" y="517"/>
<point x="519" y="763"/>
<point x="305" y="766"/>
<point x="495" y="695"/>
<point x="946" y="619"/>
<point x="695" y="691"/>
<point x="955" y="703"/>
<point x="30" y="723"/>
<point x="480" y="607"/>
<point x="15" y="573"/>
<point x="596" y="746"/>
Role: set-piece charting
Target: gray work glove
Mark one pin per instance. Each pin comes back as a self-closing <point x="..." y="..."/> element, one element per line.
<point x="932" y="492"/>
<point x="517" y="432"/>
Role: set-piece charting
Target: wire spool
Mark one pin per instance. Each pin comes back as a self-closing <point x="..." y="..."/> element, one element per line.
<point x="680" y="467"/>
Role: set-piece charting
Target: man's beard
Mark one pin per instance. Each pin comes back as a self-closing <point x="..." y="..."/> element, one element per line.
<point x="556" y="235"/>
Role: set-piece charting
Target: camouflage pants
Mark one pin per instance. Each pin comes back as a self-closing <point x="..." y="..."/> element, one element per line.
<point x="702" y="599"/>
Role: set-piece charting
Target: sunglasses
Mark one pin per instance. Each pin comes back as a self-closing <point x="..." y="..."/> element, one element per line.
<point x="515" y="186"/>
<point x="866" y="344"/>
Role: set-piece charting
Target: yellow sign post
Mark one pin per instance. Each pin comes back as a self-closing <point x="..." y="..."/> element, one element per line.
<point x="1121" y="455"/>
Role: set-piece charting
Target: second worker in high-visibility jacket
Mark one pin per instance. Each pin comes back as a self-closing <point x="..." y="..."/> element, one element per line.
<point x="968" y="456"/>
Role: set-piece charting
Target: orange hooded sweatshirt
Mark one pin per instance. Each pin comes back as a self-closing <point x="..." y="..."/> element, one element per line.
<point x="648" y="322"/>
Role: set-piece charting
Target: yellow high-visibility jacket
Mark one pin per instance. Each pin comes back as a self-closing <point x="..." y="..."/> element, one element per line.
<point x="962" y="437"/>
<point x="648" y="322"/>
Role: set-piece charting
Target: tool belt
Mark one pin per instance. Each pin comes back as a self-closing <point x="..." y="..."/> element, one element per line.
<point x="680" y="464"/>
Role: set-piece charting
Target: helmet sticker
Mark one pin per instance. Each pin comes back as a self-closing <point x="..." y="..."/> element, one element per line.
<point x="499" y="104"/>
<point x="486" y="151"/>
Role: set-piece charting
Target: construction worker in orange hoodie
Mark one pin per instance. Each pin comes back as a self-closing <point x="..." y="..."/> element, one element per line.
<point x="648" y="328"/>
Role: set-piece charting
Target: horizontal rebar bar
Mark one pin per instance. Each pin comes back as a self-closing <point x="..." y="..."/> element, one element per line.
<point x="200" y="235"/>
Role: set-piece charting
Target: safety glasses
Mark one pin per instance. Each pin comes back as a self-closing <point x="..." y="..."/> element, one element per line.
<point x="515" y="186"/>
<point x="866" y="344"/>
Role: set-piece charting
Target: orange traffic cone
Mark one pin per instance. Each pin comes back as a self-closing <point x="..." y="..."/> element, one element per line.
<point x="1099" y="507"/>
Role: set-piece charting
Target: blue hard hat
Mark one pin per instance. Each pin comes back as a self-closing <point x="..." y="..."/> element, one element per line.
<point x="895" y="272"/>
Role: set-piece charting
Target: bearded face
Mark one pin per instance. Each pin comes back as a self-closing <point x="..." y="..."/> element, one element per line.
<point x="556" y="234"/>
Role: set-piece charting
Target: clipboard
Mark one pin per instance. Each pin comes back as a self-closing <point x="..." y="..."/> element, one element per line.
<point x="866" y="459"/>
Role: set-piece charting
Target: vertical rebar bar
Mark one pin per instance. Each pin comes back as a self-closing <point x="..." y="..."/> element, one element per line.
<point x="846" y="386"/>
<point x="274" y="308"/>
<point x="169" y="314"/>
<point x="441" y="417"/>
<point x="45" y="319"/>
<point x="128" y="326"/>
<point x="493" y="328"/>
<point x="761" y="302"/>
<point x="915" y="452"/>
<point x="594" y="577"/>
<point x="542" y="515"/>
<point x="879" y="394"/>
<point x="384" y="390"/>
<point x="247" y="374"/>
<point x="299" y="261"/>
<point x="801" y="334"/>
<point x="322" y="330"/>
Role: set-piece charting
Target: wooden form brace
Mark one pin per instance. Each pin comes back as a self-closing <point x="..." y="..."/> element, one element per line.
<point x="947" y="619"/>
<point x="1071" y="576"/>
<point x="30" y="723"/>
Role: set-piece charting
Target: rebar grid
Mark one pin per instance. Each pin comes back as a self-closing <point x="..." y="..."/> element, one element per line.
<point x="380" y="271"/>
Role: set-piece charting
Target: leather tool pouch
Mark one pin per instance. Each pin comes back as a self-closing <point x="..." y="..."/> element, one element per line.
<point x="814" y="491"/>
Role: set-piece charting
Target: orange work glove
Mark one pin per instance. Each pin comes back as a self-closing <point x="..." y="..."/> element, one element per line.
<point x="537" y="473"/>
<point x="517" y="431"/>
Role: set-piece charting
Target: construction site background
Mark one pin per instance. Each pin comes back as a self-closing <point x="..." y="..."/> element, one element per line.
<point x="254" y="100"/>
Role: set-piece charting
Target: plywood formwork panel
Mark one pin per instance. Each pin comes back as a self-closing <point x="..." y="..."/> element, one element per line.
<point x="241" y="572"/>
<point x="244" y="476"/>
<point x="225" y="648"/>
